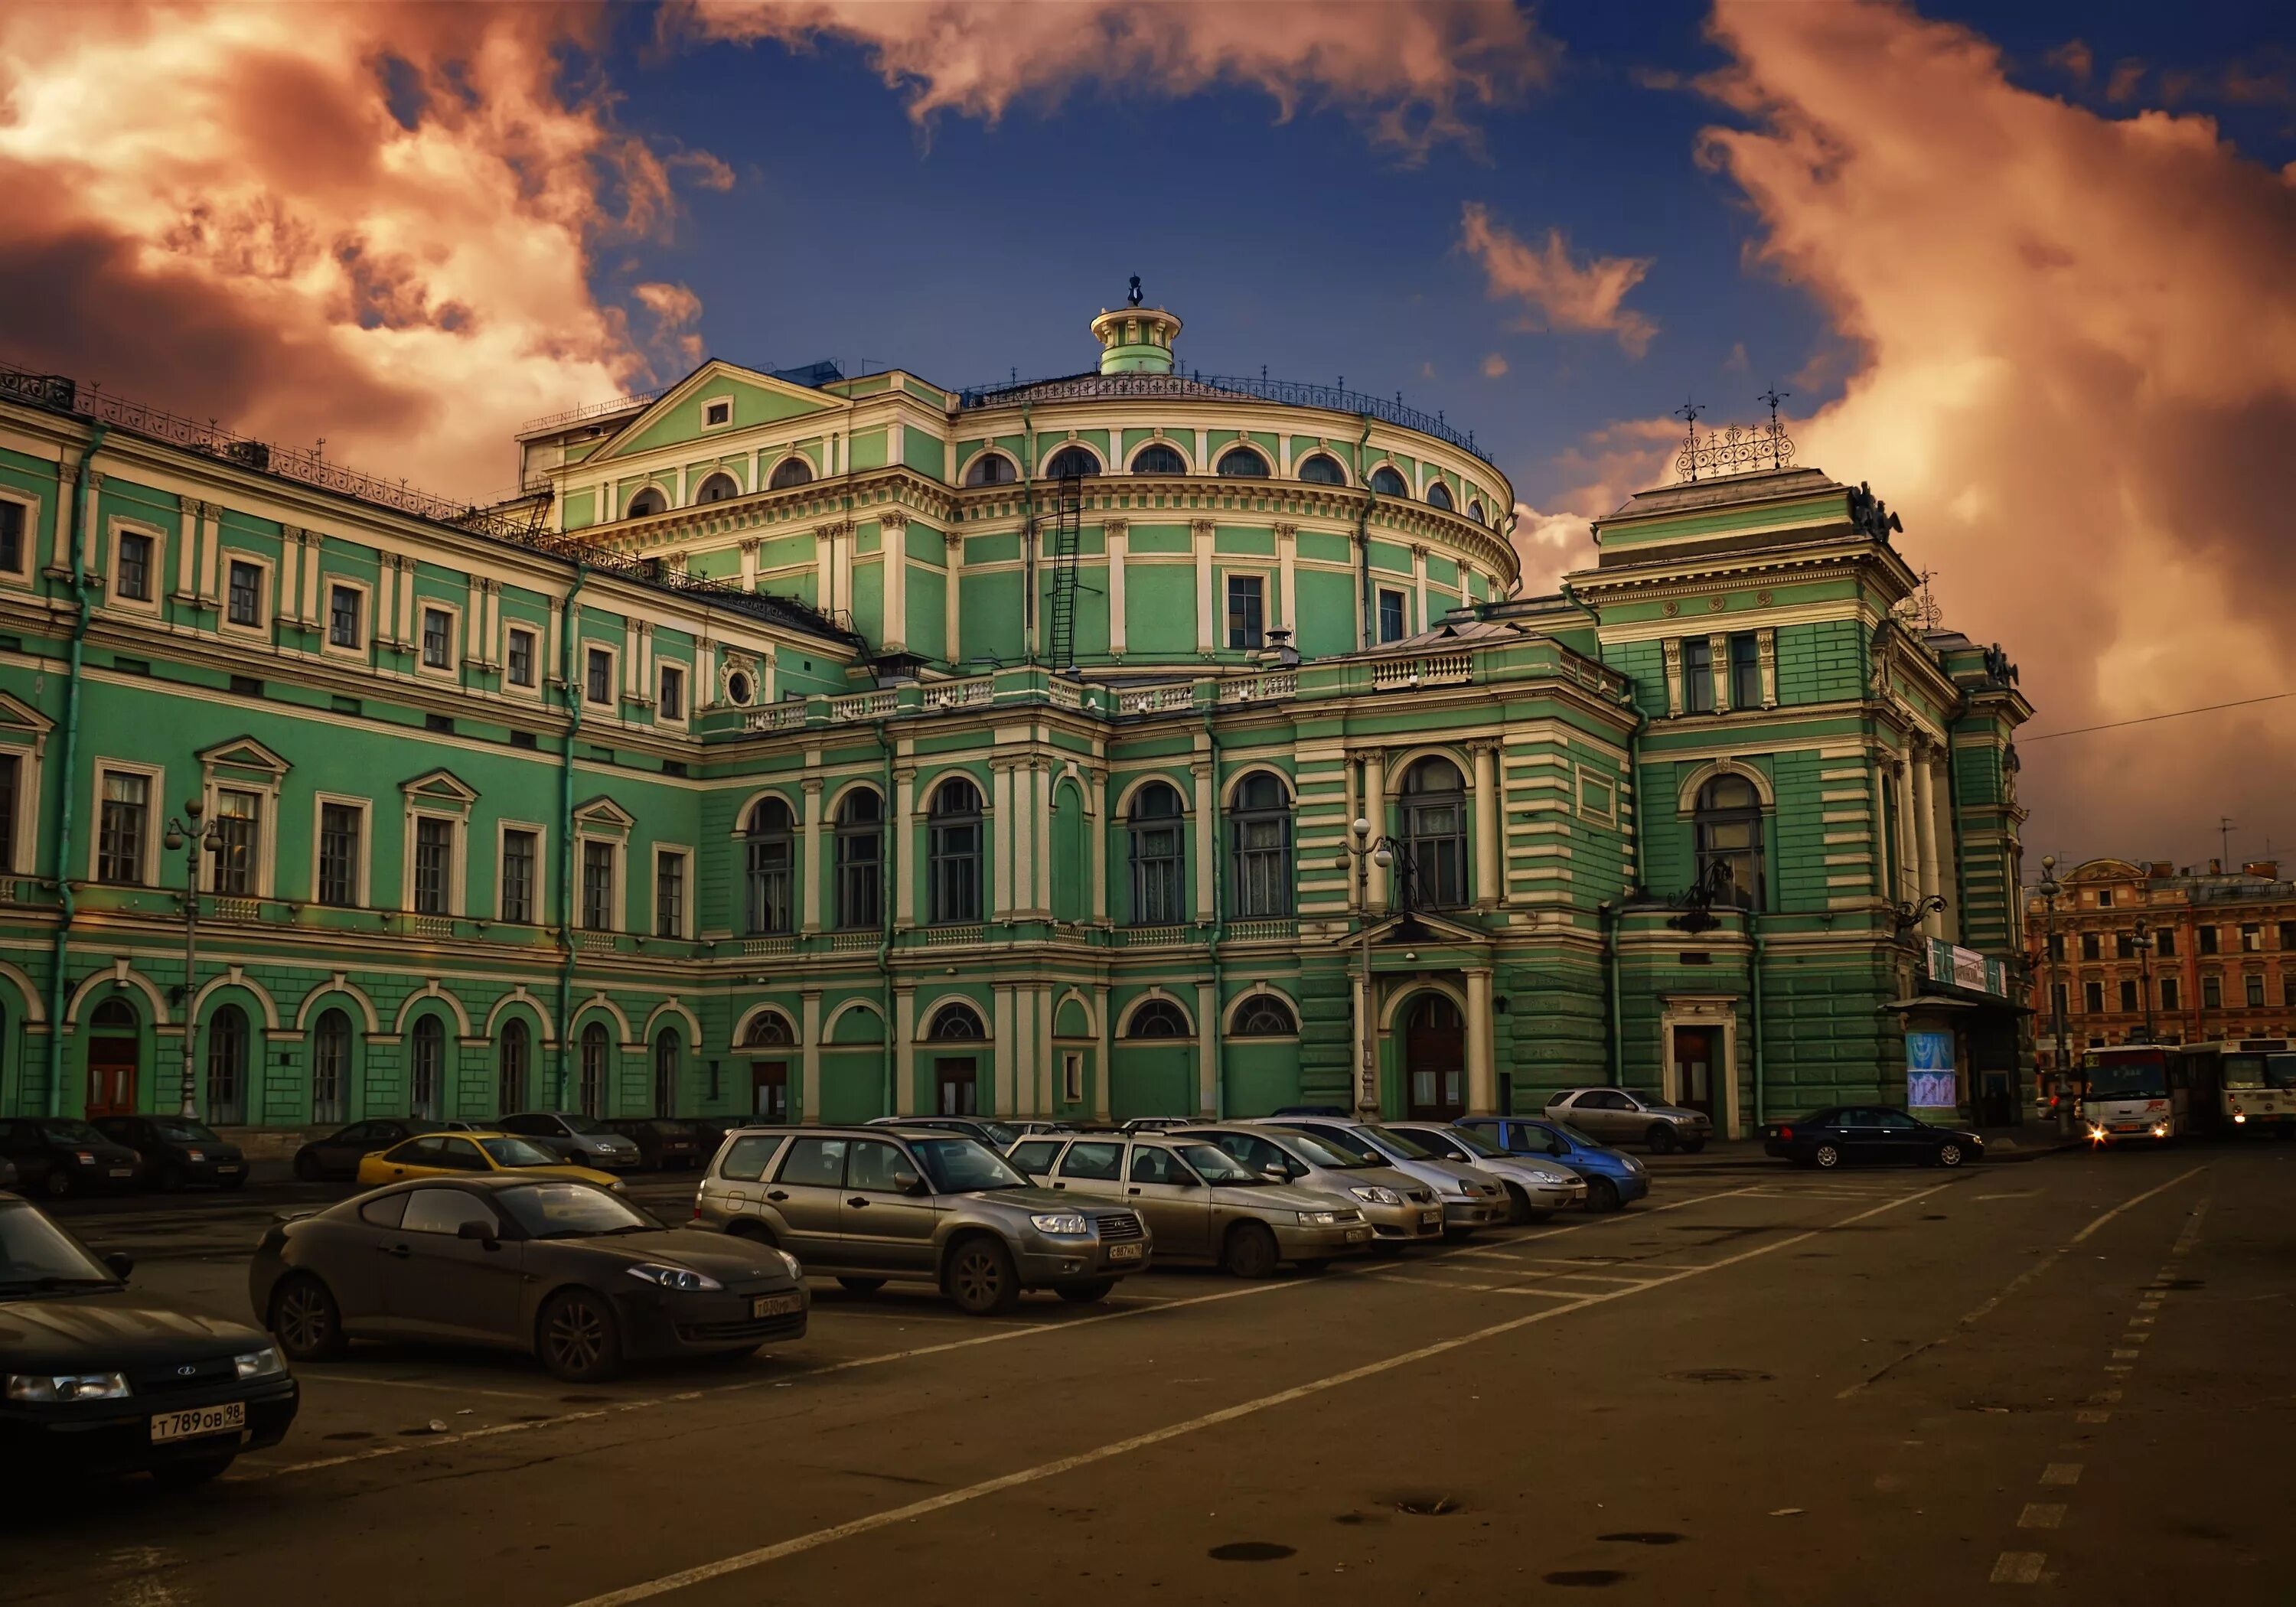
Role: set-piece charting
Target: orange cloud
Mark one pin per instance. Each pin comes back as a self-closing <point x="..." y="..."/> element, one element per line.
<point x="676" y="310"/>
<point x="1414" y="74"/>
<point x="1562" y="293"/>
<point x="2074" y="373"/>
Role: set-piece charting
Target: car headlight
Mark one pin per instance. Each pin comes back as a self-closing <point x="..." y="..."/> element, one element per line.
<point x="1326" y="1219"/>
<point x="673" y="1277"/>
<point x="1062" y="1223"/>
<point x="1470" y="1187"/>
<point x="1552" y="1179"/>
<point x="258" y="1364"/>
<point x="67" y="1386"/>
<point x="1376" y="1195"/>
<point x="790" y="1261"/>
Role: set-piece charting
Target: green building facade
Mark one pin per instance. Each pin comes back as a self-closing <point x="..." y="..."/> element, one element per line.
<point x="835" y="747"/>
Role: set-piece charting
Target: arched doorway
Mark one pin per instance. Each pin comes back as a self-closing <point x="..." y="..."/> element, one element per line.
<point x="1435" y="1059"/>
<point x="769" y="1078"/>
<point x="113" y="1049"/>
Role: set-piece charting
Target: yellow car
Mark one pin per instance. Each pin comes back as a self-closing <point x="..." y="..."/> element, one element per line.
<point x="460" y="1154"/>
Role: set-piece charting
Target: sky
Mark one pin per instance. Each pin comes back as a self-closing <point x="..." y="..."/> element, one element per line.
<point x="2023" y="268"/>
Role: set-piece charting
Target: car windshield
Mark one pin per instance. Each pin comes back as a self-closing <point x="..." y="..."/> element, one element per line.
<point x="72" y="1132"/>
<point x="1323" y="1152"/>
<point x="1401" y="1144"/>
<point x="35" y="1255"/>
<point x="1474" y="1143"/>
<point x="2281" y="1069"/>
<point x="584" y="1124"/>
<point x="1217" y="1165"/>
<point x="516" y="1152"/>
<point x="176" y="1131"/>
<point x="571" y="1210"/>
<point x="2243" y="1071"/>
<point x="964" y="1166"/>
<point x="2128" y="1079"/>
<point x="1351" y="1151"/>
<point x="1570" y="1133"/>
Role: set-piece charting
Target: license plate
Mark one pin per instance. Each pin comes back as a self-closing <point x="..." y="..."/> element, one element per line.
<point x="776" y="1304"/>
<point x="228" y="1166"/>
<point x="123" y="1172"/>
<point x="1355" y="1235"/>
<point x="1431" y="1218"/>
<point x="226" y="1419"/>
<point x="1124" y="1253"/>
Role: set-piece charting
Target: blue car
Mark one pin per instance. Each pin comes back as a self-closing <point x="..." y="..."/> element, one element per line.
<point x="1612" y="1176"/>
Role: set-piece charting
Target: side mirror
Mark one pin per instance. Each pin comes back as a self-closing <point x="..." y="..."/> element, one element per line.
<point x="121" y="1263"/>
<point x="481" y="1232"/>
<point x="908" y="1183"/>
<point x="1275" y="1172"/>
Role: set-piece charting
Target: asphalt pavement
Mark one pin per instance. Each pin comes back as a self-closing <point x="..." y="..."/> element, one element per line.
<point x="2070" y="1377"/>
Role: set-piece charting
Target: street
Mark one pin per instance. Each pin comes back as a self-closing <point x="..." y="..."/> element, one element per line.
<point x="2068" y="1375"/>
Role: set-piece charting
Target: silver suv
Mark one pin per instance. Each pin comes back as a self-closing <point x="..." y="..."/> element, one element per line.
<point x="1617" y="1117"/>
<point x="1203" y="1203"/>
<point x="867" y="1204"/>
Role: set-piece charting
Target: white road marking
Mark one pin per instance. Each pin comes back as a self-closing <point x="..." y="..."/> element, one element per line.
<point x="434" y="1386"/>
<point x="2126" y="1356"/>
<point x="2092" y="1415"/>
<point x="2083" y="1235"/>
<point x="744" y="1560"/>
<point x="2062" y="1473"/>
<point x="2041" y="1515"/>
<point x="2019" y="1568"/>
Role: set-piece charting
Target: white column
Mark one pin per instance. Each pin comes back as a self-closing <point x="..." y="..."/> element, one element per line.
<point x="749" y="563"/>
<point x="1419" y="582"/>
<point x="824" y="568"/>
<point x="492" y="643"/>
<point x="1115" y="533"/>
<point x="87" y="524"/>
<point x="1375" y="811"/>
<point x="386" y="598"/>
<point x="1208" y="1067"/>
<point x="1909" y="860"/>
<point x="1095" y="827"/>
<point x="187" y="549"/>
<point x="1925" y="834"/>
<point x="1040" y="874"/>
<point x="1001" y="1030"/>
<point x="1489" y="878"/>
<point x="1000" y="842"/>
<point x="1482" y="1061"/>
<point x="950" y="597"/>
<point x="893" y="541"/>
<point x="1024" y="1051"/>
<point x="1941" y="835"/>
<point x="407" y="633"/>
<point x="1718" y="654"/>
<point x="905" y="880"/>
<point x="1023" y="788"/>
<point x="1287" y="554"/>
<point x="1204" y="854"/>
<point x="1205" y="617"/>
<point x="474" y="618"/>
<point x="1048" y="1060"/>
<point x="633" y="659"/>
<point x="284" y="591"/>
<point x="210" y="578"/>
<point x="1100" y="1082"/>
<point x="1363" y="598"/>
<point x="905" y="1052"/>
<point x="313" y="546"/>
<point x="809" y="1030"/>
<point x="813" y="867"/>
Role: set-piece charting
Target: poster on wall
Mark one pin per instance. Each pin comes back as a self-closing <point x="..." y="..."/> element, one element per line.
<point x="1930" y="1080"/>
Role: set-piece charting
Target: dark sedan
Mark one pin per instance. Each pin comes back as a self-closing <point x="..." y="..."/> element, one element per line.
<point x="100" y="1381"/>
<point x="338" y="1154"/>
<point x="1843" y="1135"/>
<point x="565" y="1272"/>
<point x="59" y="1155"/>
<point x="176" y="1152"/>
<point x="664" y="1143"/>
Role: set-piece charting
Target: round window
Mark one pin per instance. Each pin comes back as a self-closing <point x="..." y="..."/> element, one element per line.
<point x="737" y="687"/>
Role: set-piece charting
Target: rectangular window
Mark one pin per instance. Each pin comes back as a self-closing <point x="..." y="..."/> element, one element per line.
<point x="344" y="605"/>
<point x="1246" y="611"/>
<point x="238" y="826"/>
<point x="1392" y="617"/>
<point x="1697" y="675"/>
<point x="2211" y="993"/>
<point x="669" y="895"/>
<point x="1745" y="671"/>
<point x="12" y="774"/>
<point x="2104" y="898"/>
<point x="598" y="886"/>
<point x="2093" y="997"/>
<point x="2251" y="940"/>
<point x="438" y="639"/>
<point x="123" y="829"/>
<point x="2124" y="946"/>
<point x="2288" y="989"/>
<point x="2056" y="946"/>
<point x="2207" y="940"/>
<point x="338" y="855"/>
<point x="2090" y="947"/>
<point x="11" y="536"/>
<point x="434" y="850"/>
<point x="717" y="413"/>
<point x="2169" y="994"/>
<point x="2288" y="934"/>
<point x="518" y="858"/>
<point x="132" y="574"/>
<point x="522" y="658"/>
<point x="2164" y="943"/>
<point x="244" y="604"/>
<point x="598" y="675"/>
<point x="1073" y="1077"/>
<point x="2255" y="992"/>
<point x="2128" y="993"/>
<point x="673" y="692"/>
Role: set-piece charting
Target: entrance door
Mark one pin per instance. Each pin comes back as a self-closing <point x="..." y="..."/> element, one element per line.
<point x="111" y="1077"/>
<point x="1695" y="1051"/>
<point x="1435" y="1060"/>
<point x="769" y="1090"/>
<point x="956" y="1091"/>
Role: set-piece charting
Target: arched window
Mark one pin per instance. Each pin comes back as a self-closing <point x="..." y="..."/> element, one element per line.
<point x="1321" y="469"/>
<point x="513" y="1060"/>
<point x="1386" y="482"/>
<point x="957" y="1023"/>
<point x="790" y="471"/>
<point x="1157" y="458"/>
<point x="953" y="853"/>
<point x="1438" y="494"/>
<point x="1475" y="512"/>
<point x="1071" y="463"/>
<point x="331" y="1065"/>
<point x="991" y="469"/>
<point x="860" y="854"/>
<point x="1260" y="824"/>
<point x="1264" y="1015"/>
<point x="718" y="488"/>
<point x="1727" y="822"/>
<point x="665" y="1072"/>
<point x="1157" y="1018"/>
<point x="769" y="846"/>
<point x="593" y="1069"/>
<point x="113" y="1015"/>
<point x="768" y="1029"/>
<point x="1435" y="829"/>
<point x="645" y="504"/>
<point x="228" y="1067"/>
<point x="1156" y="858"/>
<point x="1241" y="462"/>
<point x="426" y="1068"/>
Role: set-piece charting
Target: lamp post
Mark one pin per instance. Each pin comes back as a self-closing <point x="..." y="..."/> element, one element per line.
<point x="2143" y="944"/>
<point x="2049" y="889"/>
<point x="1366" y="850"/>
<point x="195" y="838"/>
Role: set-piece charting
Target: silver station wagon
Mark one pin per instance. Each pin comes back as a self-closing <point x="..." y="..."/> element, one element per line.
<point x="868" y="1204"/>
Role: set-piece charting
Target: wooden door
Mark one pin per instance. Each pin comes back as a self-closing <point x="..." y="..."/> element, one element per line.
<point x="956" y="1087"/>
<point x="1435" y="1060"/>
<point x="1695" y="1051"/>
<point x="111" y="1068"/>
<point x="769" y="1090"/>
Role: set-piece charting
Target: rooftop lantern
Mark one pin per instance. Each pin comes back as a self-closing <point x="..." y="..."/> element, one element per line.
<point x="1135" y="338"/>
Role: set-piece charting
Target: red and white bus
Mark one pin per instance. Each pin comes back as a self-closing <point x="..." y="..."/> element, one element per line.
<point x="2135" y="1094"/>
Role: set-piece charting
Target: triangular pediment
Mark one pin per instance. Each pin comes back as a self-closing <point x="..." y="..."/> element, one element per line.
<point x="1413" y="926"/>
<point x="441" y="785"/>
<point x="604" y="811"/>
<point x="243" y="753"/>
<point x="675" y="417"/>
<point x="19" y="717"/>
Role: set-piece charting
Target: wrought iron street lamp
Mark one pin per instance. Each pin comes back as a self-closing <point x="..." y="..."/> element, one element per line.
<point x="2049" y="889"/>
<point x="1367" y="849"/>
<point x="193" y="839"/>
<point x="2143" y="944"/>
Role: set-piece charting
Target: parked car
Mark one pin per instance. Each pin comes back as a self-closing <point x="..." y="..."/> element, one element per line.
<point x="7" y="1173"/>
<point x="665" y="1143"/>
<point x="711" y="1130"/>
<point x="338" y="1153"/>
<point x="1157" y="1124"/>
<point x="1203" y="1204"/>
<point x="1534" y="1189"/>
<point x="996" y="1135"/>
<point x="176" y="1151"/>
<point x="102" y="1381"/>
<point x="61" y="1155"/>
<point x="869" y="1203"/>
<point x="1401" y="1209"/>
<point x="571" y="1136"/>
<point x="1028" y="1129"/>
<point x="1339" y="1111"/>
<point x="469" y="1154"/>
<point x="1470" y="1198"/>
<point x="1615" y="1116"/>
<point x="566" y="1272"/>
<point x="1867" y="1135"/>
<point x="1613" y="1178"/>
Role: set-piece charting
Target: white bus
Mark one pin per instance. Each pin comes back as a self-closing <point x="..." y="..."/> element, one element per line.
<point x="2244" y="1086"/>
<point x="2136" y="1093"/>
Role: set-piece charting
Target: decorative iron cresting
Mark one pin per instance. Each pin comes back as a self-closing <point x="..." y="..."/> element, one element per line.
<point x="1736" y="448"/>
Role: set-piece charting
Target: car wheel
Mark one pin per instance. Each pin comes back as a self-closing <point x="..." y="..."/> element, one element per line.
<point x="861" y="1285"/>
<point x="1661" y="1138"/>
<point x="57" y="1183"/>
<point x="1826" y="1157"/>
<point x="187" y="1475"/>
<point x="1602" y="1194"/>
<point x="1519" y="1210"/>
<point x="306" y="1166"/>
<point x="576" y="1338"/>
<point x="1949" y="1155"/>
<point x="307" y="1320"/>
<point x="981" y="1278"/>
<point x="1085" y="1293"/>
<point x="1250" y="1251"/>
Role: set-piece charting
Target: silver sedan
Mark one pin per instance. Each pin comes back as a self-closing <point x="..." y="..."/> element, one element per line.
<point x="1536" y="1189"/>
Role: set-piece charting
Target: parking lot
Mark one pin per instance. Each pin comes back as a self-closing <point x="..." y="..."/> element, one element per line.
<point x="1864" y="1386"/>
